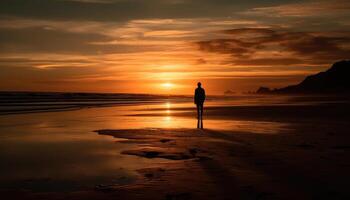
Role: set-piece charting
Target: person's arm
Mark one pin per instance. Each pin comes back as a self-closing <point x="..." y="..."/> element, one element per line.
<point x="195" y="97"/>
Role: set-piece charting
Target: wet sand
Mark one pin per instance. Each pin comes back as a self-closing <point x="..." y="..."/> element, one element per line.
<point x="310" y="163"/>
<point x="307" y="158"/>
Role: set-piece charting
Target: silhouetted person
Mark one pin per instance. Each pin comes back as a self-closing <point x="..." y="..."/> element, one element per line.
<point x="199" y="98"/>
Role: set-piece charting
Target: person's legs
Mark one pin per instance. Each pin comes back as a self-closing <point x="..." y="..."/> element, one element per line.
<point x="201" y="116"/>
<point x="198" y="115"/>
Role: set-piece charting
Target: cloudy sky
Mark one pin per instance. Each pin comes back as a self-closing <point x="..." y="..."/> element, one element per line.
<point x="167" y="46"/>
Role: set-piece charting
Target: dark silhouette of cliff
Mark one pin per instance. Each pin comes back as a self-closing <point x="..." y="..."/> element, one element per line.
<point x="334" y="80"/>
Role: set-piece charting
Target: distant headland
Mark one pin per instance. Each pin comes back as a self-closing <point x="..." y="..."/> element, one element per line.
<point x="335" y="80"/>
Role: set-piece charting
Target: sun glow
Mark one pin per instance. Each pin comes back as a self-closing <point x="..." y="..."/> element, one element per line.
<point x="168" y="107"/>
<point x="168" y="85"/>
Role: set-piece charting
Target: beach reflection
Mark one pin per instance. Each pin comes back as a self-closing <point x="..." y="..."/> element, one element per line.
<point x="58" y="151"/>
<point x="162" y="116"/>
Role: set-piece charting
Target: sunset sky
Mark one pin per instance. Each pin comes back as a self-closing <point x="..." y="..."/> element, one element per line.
<point x="167" y="46"/>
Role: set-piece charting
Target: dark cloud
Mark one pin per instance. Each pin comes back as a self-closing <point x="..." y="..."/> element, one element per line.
<point x="47" y="41"/>
<point x="319" y="47"/>
<point x="299" y="47"/>
<point x="123" y="10"/>
<point x="269" y="61"/>
<point x="94" y="10"/>
<point x="42" y="40"/>
<point x="226" y="46"/>
<point x="244" y="31"/>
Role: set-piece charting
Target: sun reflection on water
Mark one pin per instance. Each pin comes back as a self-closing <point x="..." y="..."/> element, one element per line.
<point x="168" y="105"/>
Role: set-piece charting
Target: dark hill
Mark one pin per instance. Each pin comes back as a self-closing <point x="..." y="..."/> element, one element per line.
<point x="334" y="80"/>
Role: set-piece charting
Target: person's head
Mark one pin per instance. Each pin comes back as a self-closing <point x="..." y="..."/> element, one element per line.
<point x="199" y="84"/>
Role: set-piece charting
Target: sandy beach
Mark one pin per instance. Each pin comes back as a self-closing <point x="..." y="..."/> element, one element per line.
<point x="295" y="149"/>
<point x="174" y="99"/>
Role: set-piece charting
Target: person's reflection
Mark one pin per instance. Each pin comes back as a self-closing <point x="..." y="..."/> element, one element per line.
<point x="199" y="98"/>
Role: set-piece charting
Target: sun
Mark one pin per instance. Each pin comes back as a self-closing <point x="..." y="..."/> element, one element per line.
<point x="168" y="85"/>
